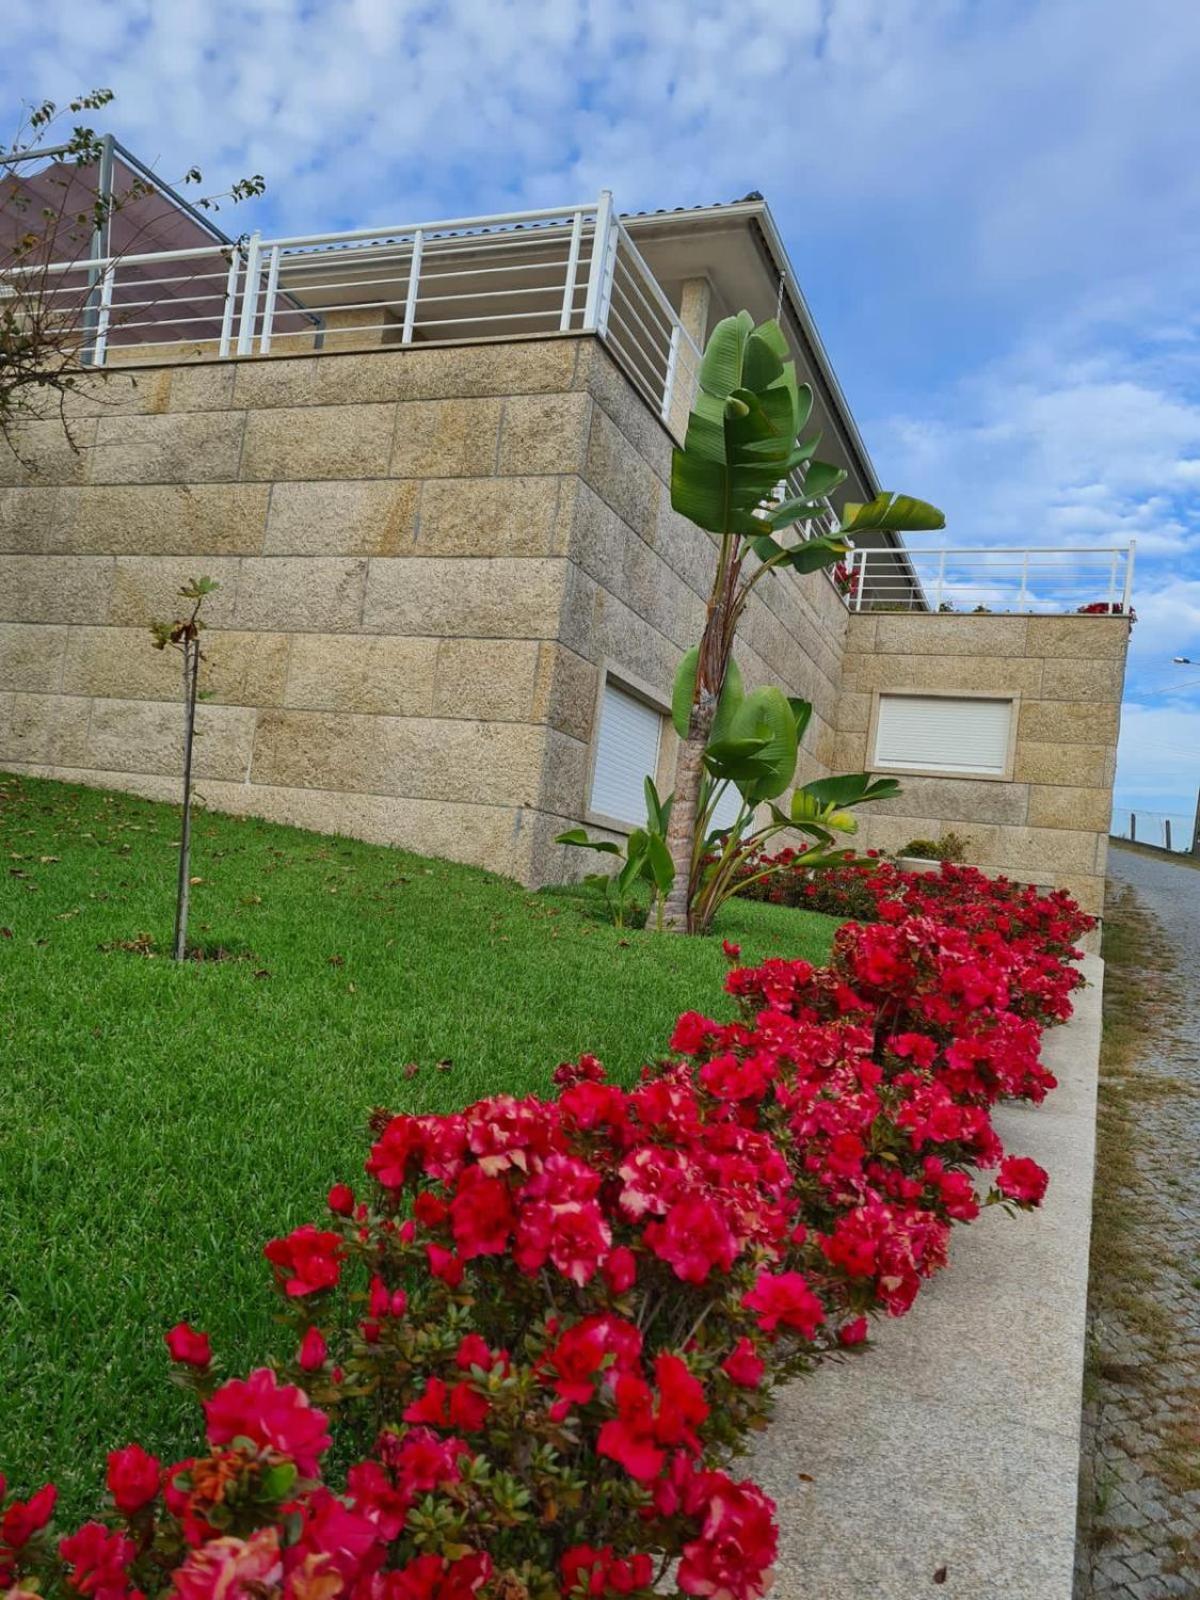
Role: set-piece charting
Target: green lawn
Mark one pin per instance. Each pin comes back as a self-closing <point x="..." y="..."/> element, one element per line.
<point x="159" y="1123"/>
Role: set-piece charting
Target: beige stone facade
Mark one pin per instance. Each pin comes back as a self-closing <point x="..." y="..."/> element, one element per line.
<point x="428" y="560"/>
<point x="1049" y="822"/>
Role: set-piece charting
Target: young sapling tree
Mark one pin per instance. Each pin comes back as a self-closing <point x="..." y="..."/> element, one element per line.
<point x="183" y="634"/>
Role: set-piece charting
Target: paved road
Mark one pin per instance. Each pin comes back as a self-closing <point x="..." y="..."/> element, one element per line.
<point x="1142" y="1421"/>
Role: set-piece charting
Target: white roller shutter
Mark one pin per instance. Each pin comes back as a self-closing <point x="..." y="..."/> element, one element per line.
<point x="727" y="808"/>
<point x="626" y="755"/>
<point x="938" y="733"/>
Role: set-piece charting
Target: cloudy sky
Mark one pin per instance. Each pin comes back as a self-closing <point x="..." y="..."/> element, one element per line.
<point x="993" y="206"/>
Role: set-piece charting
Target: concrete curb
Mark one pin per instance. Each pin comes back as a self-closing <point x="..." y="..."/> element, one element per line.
<point x="953" y="1440"/>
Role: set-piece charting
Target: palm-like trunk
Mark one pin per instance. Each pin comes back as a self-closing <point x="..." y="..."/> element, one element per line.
<point x="681" y="830"/>
<point x="716" y="646"/>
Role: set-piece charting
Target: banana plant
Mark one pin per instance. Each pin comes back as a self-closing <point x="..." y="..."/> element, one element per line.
<point x="646" y="859"/>
<point x="743" y="441"/>
<point x="754" y="750"/>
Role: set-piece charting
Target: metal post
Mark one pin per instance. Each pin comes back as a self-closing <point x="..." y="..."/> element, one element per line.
<point x="231" y="290"/>
<point x="245" y="339"/>
<point x="862" y="577"/>
<point x="568" y="305"/>
<point x="414" y="288"/>
<point x="1112" y="582"/>
<point x="1024" y="580"/>
<point x="268" y="318"/>
<point x="106" y="293"/>
<point x="99" y="245"/>
<point x="1133" y="827"/>
<point x="941" y="582"/>
<point x="1167" y="831"/>
<point x="1127" y="598"/>
<point x="598" y="266"/>
<point x="669" y="380"/>
<point x="1195" y="850"/>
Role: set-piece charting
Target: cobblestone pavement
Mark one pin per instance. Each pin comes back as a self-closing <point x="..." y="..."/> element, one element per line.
<point x="1140" y="1478"/>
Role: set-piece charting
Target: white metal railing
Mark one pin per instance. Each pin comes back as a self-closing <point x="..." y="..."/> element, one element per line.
<point x="558" y="270"/>
<point x="1093" y="580"/>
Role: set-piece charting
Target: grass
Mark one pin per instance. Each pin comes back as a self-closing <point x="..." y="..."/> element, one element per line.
<point x="158" y="1122"/>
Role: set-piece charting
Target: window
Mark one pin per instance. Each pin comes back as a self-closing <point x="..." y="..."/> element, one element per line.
<point x="945" y="734"/>
<point x="626" y="755"/>
<point x="727" y="808"/>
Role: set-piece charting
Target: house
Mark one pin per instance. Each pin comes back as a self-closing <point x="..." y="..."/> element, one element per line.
<point x="428" y="466"/>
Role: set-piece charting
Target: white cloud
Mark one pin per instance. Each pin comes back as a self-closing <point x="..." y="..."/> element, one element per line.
<point x="992" y="206"/>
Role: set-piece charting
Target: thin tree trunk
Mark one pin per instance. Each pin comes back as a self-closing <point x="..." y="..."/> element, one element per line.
<point x="191" y="675"/>
<point x="716" y="645"/>
<point x="681" y="830"/>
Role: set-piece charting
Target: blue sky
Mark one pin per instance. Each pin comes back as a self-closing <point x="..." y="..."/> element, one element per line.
<point x="993" y="206"/>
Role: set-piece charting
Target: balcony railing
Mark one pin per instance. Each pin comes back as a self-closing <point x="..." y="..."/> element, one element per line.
<point x="562" y="270"/>
<point x="1095" y="580"/>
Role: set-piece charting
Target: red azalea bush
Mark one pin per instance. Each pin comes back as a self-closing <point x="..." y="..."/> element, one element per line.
<point x="544" y="1331"/>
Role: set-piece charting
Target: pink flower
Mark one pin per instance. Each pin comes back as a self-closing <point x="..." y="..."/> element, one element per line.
<point x="459" y="1408"/>
<point x="307" y="1261"/>
<point x="786" y="1298"/>
<point x="445" y="1264"/>
<point x="690" y="1033"/>
<point x="188" y="1347"/>
<point x="731" y="1558"/>
<point x="628" y="1438"/>
<point x="619" y="1268"/>
<point x="481" y="1215"/>
<point x="693" y="1239"/>
<point x="24" y="1518"/>
<point x="313" y="1352"/>
<point x="99" y="1560"/>
<point x="271" y="1415"/>
<point x="587" y="1570"/>
<point x="231" y="1569"/>
<point x="1022" y="1180"/>
<point x="133" y="1478"/>
<point x="744" y="1365"/>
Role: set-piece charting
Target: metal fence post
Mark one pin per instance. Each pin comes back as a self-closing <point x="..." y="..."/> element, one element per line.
<point x="1167" y="831"/>
<point x="1127" y="598"/>
<point x="1195" y="850"/>
<point x="268" y="317"/>
<point x="669" y="380"/>
<point x="100" y="348"/>
<point x="598" y="266"/>
<point x="414" y="287"/>
<point x="1133" y="827"/>
<point x="568" y="305"/>
<point x="231" y="292"/>
<point x="245" y="339"/>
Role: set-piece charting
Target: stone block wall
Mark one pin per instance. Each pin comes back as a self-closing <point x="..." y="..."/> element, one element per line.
<point x="427" y="557"/>
<point x="1049" y="824"/>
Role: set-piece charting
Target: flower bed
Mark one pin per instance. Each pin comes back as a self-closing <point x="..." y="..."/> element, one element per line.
<point x="538" y="1339"/>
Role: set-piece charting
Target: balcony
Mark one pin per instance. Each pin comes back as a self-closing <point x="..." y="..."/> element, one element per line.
<point x="1090" y="580"/>
<point x="564" y="270"/>
<point x="548" y="273"/>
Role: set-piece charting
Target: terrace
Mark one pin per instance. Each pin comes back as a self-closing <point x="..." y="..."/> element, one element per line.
<point x="630" y="280"/>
